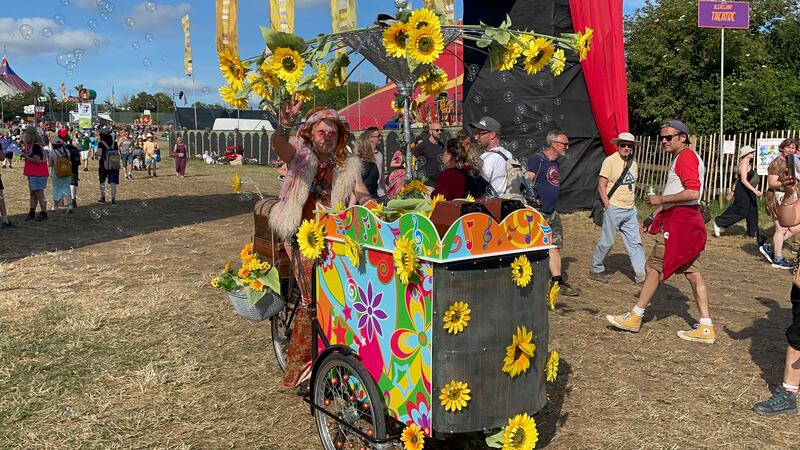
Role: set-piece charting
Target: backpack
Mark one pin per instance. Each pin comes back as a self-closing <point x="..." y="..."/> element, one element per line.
<point x="112" y="159"/>
<point x="63" y="166"/>
<point x="516" y="176"/>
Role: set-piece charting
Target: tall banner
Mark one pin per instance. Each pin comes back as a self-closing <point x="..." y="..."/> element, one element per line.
<point x="187" y="47"/>
<point x="84" y="115"/>
<point x="281" y="15"/>
<point x="343" y="18"/>
<point x="227" y="26"/>
<point x="444" y="7"/>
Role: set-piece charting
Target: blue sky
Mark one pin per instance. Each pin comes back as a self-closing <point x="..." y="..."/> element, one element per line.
<point x="135" y="47"/>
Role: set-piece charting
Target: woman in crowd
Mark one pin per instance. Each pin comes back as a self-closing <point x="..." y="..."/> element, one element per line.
<point x="774" y="252"/>
<point x="110" y="174"/>
<point x="180" y="153"/>
<point x="320" y="171"/>
<point x="61" y="190"/>
<point x="36" y="170"/>
<point x="369" y="169"/>
<point x="474" y="163"/>
<point x="745" y="196"/>
<point x="452" y="181"/>
<point x="397" y="174"/>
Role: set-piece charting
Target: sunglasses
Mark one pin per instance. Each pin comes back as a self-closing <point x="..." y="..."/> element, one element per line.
<point x="438" y="130"/>
<point x="481" y="132"/>
<point x="667" y="137"/>
<point x="621" y="145"/>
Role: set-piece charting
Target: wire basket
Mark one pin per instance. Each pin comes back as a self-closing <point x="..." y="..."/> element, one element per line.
<point x="268" y="306"/>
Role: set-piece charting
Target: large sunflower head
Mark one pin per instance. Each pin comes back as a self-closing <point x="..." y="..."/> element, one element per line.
<point x="232" y="69"/>
<point x="413" y="438"/>
<point x="405" y="258"/>
<point x="323" y="80"/>
<point x="287" y="64"/>
<point x="259" y="86"/>
<point x="265" y="69"/>
<point x="454" y="396"/>
<point x="519" y="353"/>
<point x="228" y="94"/>
<point x="413" y="189"/>
<point x="521" y="271"/>
<point x="558" y="62"/>
<point x="425" y="44"/>
<point x="433" y="82"/>
<point x="552" y="366"/>
<point x="582" y="42"/>
<point x="424" y="17"/>
<point x="537" y="54"/>
<point x="521" y="433"/>
<point x="395" y="39"/>
<point x="257" y="285"/>
<point x="507" y="55"/>
<point x="311" y="238"/>
<point x="456" y="318"/>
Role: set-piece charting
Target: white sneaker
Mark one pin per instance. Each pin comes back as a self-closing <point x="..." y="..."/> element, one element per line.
<point x="716" y="229"/>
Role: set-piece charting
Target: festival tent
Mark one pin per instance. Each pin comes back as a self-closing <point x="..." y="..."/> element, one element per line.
<point x="375" y="109"/>
<point x="10" y="82"/>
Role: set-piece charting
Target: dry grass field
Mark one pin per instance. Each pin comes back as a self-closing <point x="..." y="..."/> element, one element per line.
<point x="111" y="337"/>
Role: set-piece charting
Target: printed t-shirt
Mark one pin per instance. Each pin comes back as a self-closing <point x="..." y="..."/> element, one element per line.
<point x="548" y="180"/>
<point x="625" y="195"/>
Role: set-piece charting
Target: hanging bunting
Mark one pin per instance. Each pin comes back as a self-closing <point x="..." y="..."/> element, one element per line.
<point x="343" y="18"/>
<point x="187" y="47"/>
<point x="444" y="7"/>
<point x="227" y="27"/>
<point x="281" y="15"/>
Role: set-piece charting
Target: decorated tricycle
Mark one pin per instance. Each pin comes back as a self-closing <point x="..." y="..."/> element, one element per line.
<point x="426" y="334"/>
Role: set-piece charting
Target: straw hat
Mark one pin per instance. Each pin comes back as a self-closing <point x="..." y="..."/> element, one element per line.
<point x="625" y="137"/>
<point x="746" y="150"/>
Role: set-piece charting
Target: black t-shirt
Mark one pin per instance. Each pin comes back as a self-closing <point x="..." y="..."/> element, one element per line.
<point x="370" y="175"/>
<point x="74" y="157"/>
<point x="430" y="159"/>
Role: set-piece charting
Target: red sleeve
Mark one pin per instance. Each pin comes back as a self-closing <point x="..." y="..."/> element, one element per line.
<point x="451" y="184"/>
<point x="688" y="169"/>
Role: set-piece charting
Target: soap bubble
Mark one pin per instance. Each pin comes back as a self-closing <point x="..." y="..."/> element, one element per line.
<point x="97" y="42"/>
<point x="477" y="99"/>
<point x="150" y="6"/>
<point x="72" y="65"/>
<point x="473" y="69"/>
<point x="508" y="97"/>
<point x="523" y="127"/>
<point x="26" y="31"/>
<point x="65" y="2"/>
<point x="78" y="53"/>
<point x="95" y="214"/>
<point x="62" y="59"/>
<point x="530" y="143"/>
<point x="91" y="23"/>
<point x="148" y="37"/>
<point x="105" y="6"/>
<point x="206" y="90"/>
<point x="164" y="57"/>
<point x="47" y="32"/>
<point x="471" y="76"/>
<point x="104" y="16"/>
<point x="518" y="119"/>
<point x="557" y="101"/>
<point x="136" y="45"/>
<point x="485" y="109"/>
<point x="130" y="22"/>
<point x="521" y="108"/>
<point x="547" y="118"/>
<point x="69" y="72"/>
<point x="59" y="19"/>
<point x="147" y="62"/>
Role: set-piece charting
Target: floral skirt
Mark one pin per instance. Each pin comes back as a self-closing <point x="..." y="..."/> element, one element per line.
<point x="298" y="357"/>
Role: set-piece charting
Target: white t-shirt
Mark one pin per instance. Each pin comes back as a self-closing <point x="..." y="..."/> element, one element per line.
<point x="379" y="161"/>
<point x="494" y="168"/>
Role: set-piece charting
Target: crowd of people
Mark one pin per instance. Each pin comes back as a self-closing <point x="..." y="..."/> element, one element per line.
<point x="57" y="154"/>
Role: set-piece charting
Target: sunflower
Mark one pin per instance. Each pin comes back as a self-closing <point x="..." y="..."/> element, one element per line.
<point x="425" y="44"/>
<point x="215" y="282"/>
<point x="412" y="437"/>
<point x="582" y="42"/>
<point x="537" y="54"/>
<point x="352" y="250"/>
<point x="395" y="39"/>
<point x="340" y="206"/>
<point x="519" y="353"/>
<point x="229" y="96"/>
<point x="287" y="64"/>
<point x="254" y="265"/>
<point x="257" y="286"/>
<point x="311" y="238"/>
<point x="508" y="55"/>
<point x="438" y="198"/>
<point x="227" y="267"/>
<point x="265" y="265"/>
<point x="454" y="396"/>
<point x="553" y="295"/>
<point x="521" y="271"/>
<point x="265" y="69"/>
<point x="406" y="263"/>
<point x="322" y="80"/>
<point x="395" y="108"/>
<point x="558" y="62"/>
<point x="304" y="95"/>
<point x="244" y="272"/>
<point x="413" y="187"/>
<point x="552" y="366"/>
<point x="232" y="69"/>
<point x="379" y="210"/>
<point x="520" y="434"/>
<point x="247" y="250"/>
<point x="456" y="318"/>
<point x="470" y="198"/>
<point x="259" y="86"/>
<point x="246" y="281"/>
<point x="433" y="82"/>
<point x="424" y="17"/>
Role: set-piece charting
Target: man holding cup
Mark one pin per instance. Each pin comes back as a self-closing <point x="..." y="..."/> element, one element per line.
<point x="681" y="235"/>
<point x="616" y="187"/>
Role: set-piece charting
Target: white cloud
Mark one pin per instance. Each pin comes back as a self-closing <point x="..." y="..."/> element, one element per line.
<point x="62" y="38"/>
<point x="178" y="83"/>
<point x="311" y="3"/>
<point x="166" y="19"/>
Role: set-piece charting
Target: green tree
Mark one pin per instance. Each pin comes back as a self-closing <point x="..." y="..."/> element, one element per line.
<point x="673" y="68"/>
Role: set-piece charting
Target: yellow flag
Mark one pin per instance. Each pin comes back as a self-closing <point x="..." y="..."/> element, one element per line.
<point x="444" y="7"/>
<point x="281" y="15"/>
<point x="343" y="18"/>
<point x="187" y="47"/>
<point x="227" y="26"/>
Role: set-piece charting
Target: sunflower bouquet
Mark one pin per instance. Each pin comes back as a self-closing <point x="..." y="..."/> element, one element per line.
<point x="255" y="277"/>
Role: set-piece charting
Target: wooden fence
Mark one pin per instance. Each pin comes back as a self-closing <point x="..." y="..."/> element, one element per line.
<point x="654" y="162"/>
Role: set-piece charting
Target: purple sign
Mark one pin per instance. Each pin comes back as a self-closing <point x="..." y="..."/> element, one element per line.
<point x="718" y="14"/>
